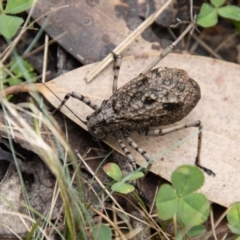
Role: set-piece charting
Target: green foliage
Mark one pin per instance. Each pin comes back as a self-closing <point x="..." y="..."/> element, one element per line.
<point x="19" y="72"/>
<point x="101" y="232"/>
<point x="187" y="179"/>
<point x="121" y="186"/>
<point x="193" y="209"/>
<point x="230" y="12"/>
<point x="196" y="231"/>
<point x="113" y="171"/>
<point x="181" y="202"/>
<point x="208" y="15"/>
<point x="233" y="217"/>
<point x="217" y="3"/>
<point x="10" y="24"/>
<point x="166" y="202"/>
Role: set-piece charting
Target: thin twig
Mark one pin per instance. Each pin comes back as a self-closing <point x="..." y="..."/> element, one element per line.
<point x="167" y="50"/>
<point x="225" y="41"/>
<point x="109" y="58"/>
<point x="45" y="58"/>
<point x="27" y="55"/>
<point x="206" y="47"/>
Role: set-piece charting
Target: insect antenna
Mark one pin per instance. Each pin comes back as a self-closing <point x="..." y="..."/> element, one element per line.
<point x="56" y="110"/>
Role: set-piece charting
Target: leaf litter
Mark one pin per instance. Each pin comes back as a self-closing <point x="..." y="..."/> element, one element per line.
<point x="218" y="110"/>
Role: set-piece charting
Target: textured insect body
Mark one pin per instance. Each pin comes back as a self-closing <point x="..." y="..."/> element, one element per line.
<point x="160" y="97"/>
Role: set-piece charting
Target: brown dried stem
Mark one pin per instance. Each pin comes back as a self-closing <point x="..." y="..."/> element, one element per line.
<point x="109" y="58"/>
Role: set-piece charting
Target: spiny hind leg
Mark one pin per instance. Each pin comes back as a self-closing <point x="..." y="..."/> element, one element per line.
<point x="198" y="124"/>
<point x="118" y="137"/>
<point x="129" y="140"/>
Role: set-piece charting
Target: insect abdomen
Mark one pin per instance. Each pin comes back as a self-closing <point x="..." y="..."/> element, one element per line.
<point x="162" y="96"/>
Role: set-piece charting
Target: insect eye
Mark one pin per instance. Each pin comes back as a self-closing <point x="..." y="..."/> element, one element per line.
<point x="172" y="106"/>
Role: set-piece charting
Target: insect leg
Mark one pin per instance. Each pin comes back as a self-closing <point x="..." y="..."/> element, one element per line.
<point x="197" y="161"/>
<point x="118" y="137"/>
<point x="139" y="150"/>
<point x="116" y="68"/>
<point x="198" y="124"/>
<point x="79" y="97"/>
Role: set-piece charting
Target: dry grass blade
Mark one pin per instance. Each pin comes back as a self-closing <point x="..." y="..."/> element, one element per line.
<point x="47" y="141"/>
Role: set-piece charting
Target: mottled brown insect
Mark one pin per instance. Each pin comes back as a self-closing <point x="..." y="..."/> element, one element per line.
<point x="160" y="97"/>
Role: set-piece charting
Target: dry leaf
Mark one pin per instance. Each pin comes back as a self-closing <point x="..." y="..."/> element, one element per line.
<point x="218" y="110"/>
<point x="92" y="28"/>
